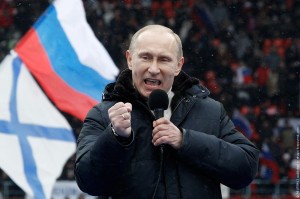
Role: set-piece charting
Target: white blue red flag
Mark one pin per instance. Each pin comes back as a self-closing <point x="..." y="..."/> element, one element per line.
<point x="242" y="124"/>
<point x="243" y="75"/>
<point x="269" y="168"/>
<point x="72" y="68"/>
<point x="63" y="54"/>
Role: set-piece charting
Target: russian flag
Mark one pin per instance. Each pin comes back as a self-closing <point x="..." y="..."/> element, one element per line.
<point x="65" y="57"/>
<point x="243" y="75"/>
<point x="242" y="124"/>
<point x="269" y="168"/>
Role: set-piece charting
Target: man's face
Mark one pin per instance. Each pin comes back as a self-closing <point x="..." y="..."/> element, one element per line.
<point x="154" y="61"/>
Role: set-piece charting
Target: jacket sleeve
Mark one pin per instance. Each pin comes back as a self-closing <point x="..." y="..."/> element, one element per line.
<point x="99" y="155"/>
<point x="229" y="158"/>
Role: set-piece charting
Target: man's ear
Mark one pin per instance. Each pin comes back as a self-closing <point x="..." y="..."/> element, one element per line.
<point x="179" y="66"/>
<point x="128" y="58"/>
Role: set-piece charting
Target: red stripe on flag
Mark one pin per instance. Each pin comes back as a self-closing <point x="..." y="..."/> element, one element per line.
<point x="271" y="164"/>
<point x="64" y="97"/>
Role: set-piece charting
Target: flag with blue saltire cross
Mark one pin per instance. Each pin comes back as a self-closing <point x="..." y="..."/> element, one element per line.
<point x="35" y="139"/>
<point x="72" y="67"/>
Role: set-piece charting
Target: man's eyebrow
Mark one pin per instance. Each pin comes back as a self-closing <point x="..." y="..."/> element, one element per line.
<point x="146" y="53"/>
<point x="143" y="53"/>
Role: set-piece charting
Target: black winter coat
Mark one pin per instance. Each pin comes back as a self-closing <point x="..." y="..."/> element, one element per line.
<point x="213" y="151"/>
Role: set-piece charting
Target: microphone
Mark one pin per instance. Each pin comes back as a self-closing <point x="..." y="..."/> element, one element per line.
<point x="158" y="102"/>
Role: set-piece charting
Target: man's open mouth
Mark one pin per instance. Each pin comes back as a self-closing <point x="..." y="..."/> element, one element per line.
<point x="152" y="82"/>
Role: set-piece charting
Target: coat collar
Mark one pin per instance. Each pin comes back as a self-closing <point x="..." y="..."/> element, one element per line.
<point x="123" y="89"/>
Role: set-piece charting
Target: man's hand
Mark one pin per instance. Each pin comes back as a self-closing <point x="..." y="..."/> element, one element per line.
<point x="120" y="117"/>
<point x="165" y="132"/>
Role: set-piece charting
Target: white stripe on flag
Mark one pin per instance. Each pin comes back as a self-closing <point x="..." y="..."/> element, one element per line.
<point x="89" y="50"/>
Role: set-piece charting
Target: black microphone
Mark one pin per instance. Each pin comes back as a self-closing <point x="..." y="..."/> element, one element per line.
<point x="158" y="102"/>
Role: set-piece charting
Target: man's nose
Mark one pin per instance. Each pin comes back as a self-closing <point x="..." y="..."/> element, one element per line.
<point x="154" y="67"/>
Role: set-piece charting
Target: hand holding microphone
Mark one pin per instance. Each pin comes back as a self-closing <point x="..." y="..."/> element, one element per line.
<point x="120" y="117"/>
<point x="164" y="131"/>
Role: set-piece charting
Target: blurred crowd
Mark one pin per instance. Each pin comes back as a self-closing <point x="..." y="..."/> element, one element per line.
<point x="246" y="52"/>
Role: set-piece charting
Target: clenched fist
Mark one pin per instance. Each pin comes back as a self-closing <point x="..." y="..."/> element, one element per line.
<point x="120" y="117"/>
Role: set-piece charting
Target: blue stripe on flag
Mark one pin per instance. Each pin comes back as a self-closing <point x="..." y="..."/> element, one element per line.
<point x="37" y="131"/>
<point x="64" y="59"/>
<point x="29" y="167"/>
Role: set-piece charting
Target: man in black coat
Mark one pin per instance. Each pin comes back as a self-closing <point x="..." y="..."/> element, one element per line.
<point x="118" y="153"/>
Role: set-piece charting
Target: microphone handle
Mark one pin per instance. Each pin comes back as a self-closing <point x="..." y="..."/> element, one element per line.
<point x="159" y="113"/>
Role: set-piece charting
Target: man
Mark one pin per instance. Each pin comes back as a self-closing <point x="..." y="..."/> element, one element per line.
<point x="118" y="152"/>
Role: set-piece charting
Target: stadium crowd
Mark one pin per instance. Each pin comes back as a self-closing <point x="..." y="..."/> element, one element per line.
<point x="247" y="53"/>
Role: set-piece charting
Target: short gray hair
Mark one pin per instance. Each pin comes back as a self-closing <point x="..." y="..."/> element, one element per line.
<point x="137" y="34"/>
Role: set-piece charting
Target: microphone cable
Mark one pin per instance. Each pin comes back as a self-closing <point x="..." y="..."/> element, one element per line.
<point x="160" y="170"/>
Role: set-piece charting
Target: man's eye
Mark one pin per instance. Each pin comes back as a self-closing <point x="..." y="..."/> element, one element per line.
<point x="165" y="59"/>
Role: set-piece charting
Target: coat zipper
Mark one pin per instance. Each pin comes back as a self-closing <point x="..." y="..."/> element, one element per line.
<point x="180" y="101"/>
